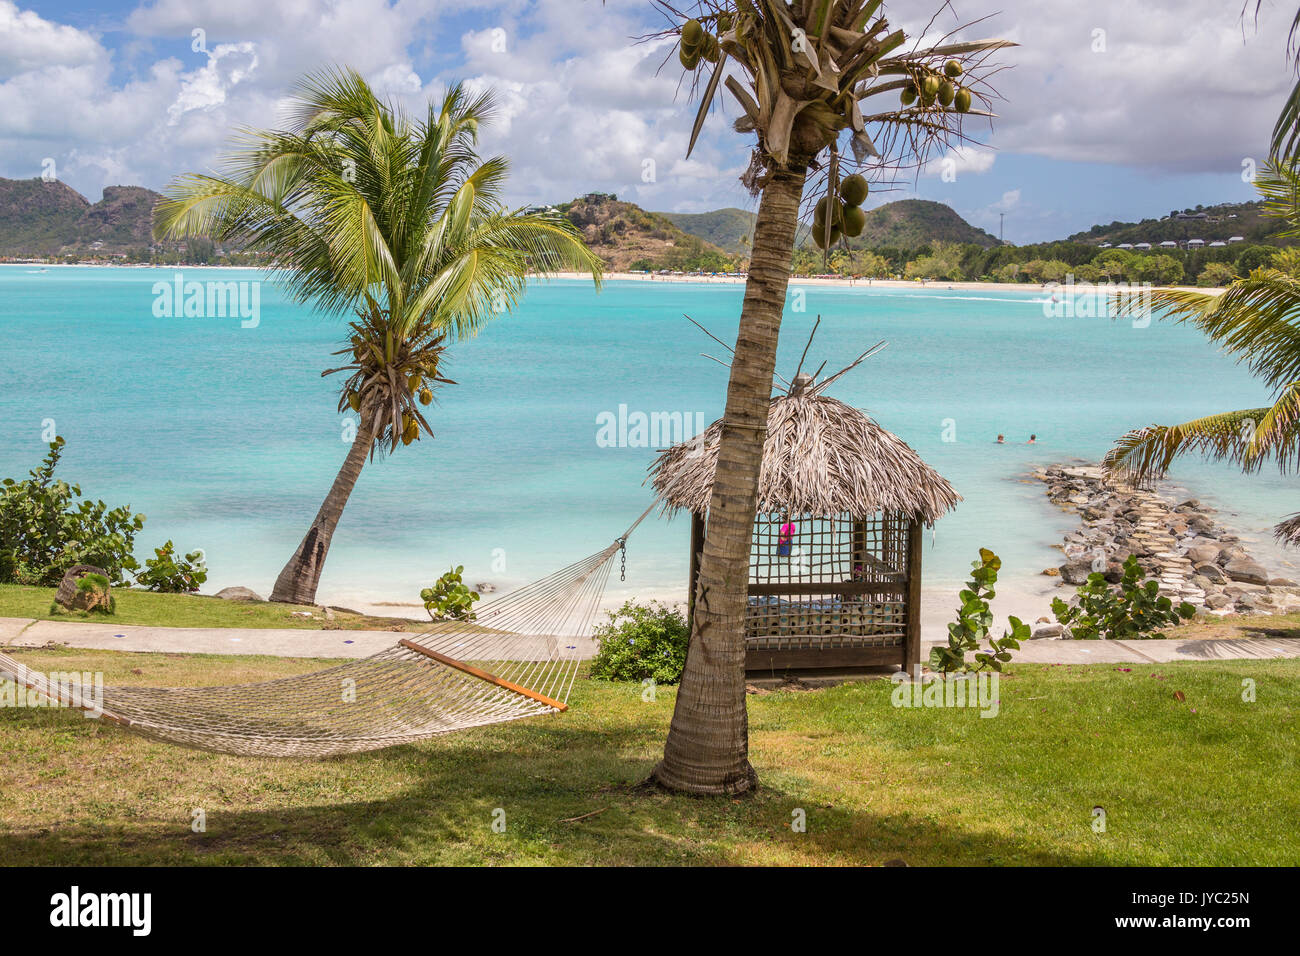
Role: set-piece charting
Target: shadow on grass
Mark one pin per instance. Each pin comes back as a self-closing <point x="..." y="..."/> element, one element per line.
<point x="536" y="779"/>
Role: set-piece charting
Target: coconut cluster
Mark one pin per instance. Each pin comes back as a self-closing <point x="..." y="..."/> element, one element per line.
<point x="699" y="44"/>
<point x="841" y="209"/>
<point x="932" y="86"/>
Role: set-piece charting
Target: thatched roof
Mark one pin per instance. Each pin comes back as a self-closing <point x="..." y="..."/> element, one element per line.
<point x="821" y="457"/>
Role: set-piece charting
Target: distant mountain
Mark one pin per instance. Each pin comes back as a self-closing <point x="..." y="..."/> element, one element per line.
<point x="904" y="224"/>
<point x="626" y="236"/>
<point x="1221" y="222"/>
<point x="51" y="218"/>
<point x="730" y="229"/>
<point x="909" y="223"/>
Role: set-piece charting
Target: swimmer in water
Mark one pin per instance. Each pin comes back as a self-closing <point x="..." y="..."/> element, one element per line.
<point x="1032" y="439"/>
<point x="1001" y="440"/>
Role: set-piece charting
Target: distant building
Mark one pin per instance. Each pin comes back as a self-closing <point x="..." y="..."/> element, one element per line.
<point x="1125" y="245"/>
<point x="1195" y="243"/>
<point x="1169" y="244"/>
<point x="1216" y="244"/>
<point x="1143" y="245"/>
<point x="1194" y="215"/>
<point x="1104" y="245"/>
<point x="1237" y="239"/>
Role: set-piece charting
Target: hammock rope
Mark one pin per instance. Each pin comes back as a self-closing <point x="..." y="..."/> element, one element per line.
<point x="518" y="659"/>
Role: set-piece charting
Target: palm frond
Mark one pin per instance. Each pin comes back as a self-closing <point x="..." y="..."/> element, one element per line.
<point x="358" y="207"/>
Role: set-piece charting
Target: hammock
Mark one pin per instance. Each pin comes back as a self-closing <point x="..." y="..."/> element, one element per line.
<point x="518" y="659"/>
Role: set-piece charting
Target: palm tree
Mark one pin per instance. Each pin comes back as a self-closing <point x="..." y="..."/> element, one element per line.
<point x="360" y="209"/>
<point x="1256" y="319"/>
<point x="812" y="70"/>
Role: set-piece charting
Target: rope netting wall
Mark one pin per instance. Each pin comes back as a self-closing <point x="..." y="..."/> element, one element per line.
<point x="821" y="582"/>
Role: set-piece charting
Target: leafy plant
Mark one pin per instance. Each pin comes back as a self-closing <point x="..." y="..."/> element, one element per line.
<point x="450" y="599"/>
<point x="1136" y="609"/>
<point x="168" y="574"/>
<point x="45" y="529"/>
<point x="974" y="619"/>
<point x="642" y="641"/>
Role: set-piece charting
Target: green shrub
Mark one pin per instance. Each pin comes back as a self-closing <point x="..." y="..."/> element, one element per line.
<point x="974" y="619"/>
<point x="45" y="529"/>
<point x="1133" y="610"/>
<point x="171" y="575"/>
<point x="642" y="641"/>
<point x="450" y="599"/>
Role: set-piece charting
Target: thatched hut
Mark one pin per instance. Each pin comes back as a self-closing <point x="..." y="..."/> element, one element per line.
<point x="835" y="566"/>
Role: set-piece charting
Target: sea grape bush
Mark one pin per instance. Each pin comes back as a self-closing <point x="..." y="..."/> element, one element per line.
<point x="974" y="619"/>
<point x="642" y="641"/>
<point x="169" y="574"/>
<point x="46" y="528"/>
<point x="450" y="599"/>
<point x="1134" y="610"/>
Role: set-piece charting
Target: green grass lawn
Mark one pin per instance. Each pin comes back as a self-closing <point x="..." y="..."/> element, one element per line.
<point x="1209" y="779"/>
<point x="191" y="610"/>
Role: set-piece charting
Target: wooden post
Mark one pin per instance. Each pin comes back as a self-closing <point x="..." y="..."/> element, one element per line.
<point x="693" y="577"/>
<point x="912" y="655"/>
<point x="483" y="675"/>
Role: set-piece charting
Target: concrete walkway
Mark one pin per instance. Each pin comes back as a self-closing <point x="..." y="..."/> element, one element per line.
<point x="288" y="642"/>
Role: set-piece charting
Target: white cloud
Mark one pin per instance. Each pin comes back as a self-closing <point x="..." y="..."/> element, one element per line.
<point x="583" y="106"/>
<point x="959" y="160"/>
<point x="28" y="42"/>
<point x="229" y="64"/>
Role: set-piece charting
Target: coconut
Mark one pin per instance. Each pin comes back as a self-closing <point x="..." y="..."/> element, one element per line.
<point x="710" y="50"/>
<point x="413" y="380"/>
<point x="930" y="86"/>
<point x="693" y="37"/>
<point x="688" y="60"/>
<point x="853" y="190"/>
<point x="426" y="396"/>
<point x="855" y="220"/>
<point x="836" y="230"/>
<point x="962" y="100"/>
<point x="354" y="401"/>
<point x="835" y="207"/>
<point x="952" y="68"/>
<point x="946" y="93"/>
<point x="908" y="96"/>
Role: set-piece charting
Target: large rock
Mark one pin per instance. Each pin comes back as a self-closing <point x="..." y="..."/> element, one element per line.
<point x="1047" y="632"/>
<point x="1212" y="573"/>
<point x="239" y="594"/>
<point x="77" y="593"/>
<point x="1246" y="570"/>
<point x="1076" y="572"/>
<point x="1217" y="601"/>
<point x="1203" y="554"/>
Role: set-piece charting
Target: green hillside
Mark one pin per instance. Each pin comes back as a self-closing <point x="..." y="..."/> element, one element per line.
<point x="912" y="223"/>
<point x="730" y="229"/>
<point x="37" y="217"/>
<point x="1221" y="222"/>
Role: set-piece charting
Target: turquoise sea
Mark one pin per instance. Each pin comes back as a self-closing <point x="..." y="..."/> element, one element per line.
<point x="227" y="437"/>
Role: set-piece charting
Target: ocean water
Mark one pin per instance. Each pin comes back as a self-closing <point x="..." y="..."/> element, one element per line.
<point x="227" y="437"/>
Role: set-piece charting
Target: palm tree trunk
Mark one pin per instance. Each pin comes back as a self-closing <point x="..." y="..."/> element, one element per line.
<point x="297" y="582"/>
<point x="707" y="751"/>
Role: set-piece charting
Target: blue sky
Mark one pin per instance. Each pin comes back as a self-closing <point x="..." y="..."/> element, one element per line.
<point x="1113" y="110"/>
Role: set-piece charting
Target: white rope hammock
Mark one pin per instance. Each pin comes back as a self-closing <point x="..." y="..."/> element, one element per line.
<point x="518" y="659"/>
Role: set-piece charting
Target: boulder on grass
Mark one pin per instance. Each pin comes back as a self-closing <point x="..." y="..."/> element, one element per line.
<point x="85" y="588"/>
<point x="239" y="594"/>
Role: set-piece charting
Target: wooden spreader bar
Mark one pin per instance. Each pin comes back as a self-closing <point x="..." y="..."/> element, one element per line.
<point x="482" y="674"/>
